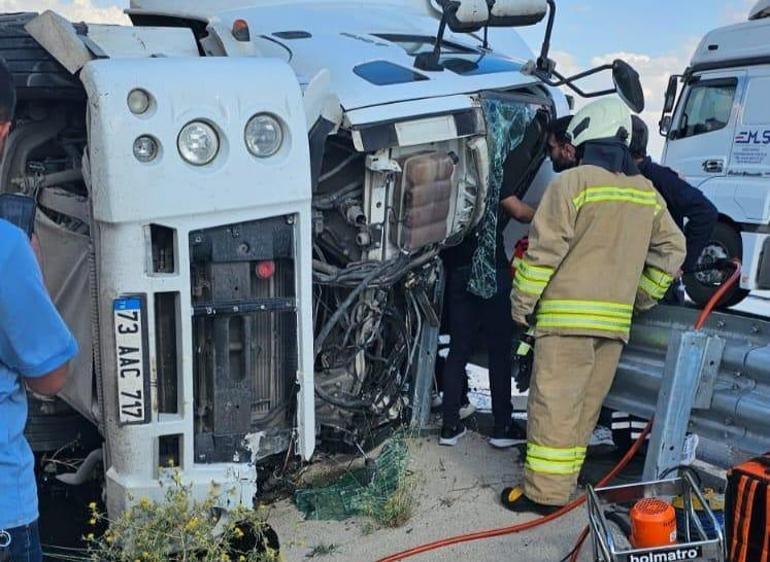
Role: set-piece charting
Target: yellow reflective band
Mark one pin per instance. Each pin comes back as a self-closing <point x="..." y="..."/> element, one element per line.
<point x="530" y="287"/>
<point x="583" y="322"/>
<point x="555" y="454"/>
<point x="551" y="467"/>
<point x="657" y="276"/>
<point x="533" y="272"/>
<point x="609" y="310"/>
<point x="655" y="282"/>
<point x="616" y="194"/>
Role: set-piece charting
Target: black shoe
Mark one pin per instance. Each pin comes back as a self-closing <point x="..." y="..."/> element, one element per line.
<point x="513" y="499"/>
<point x="503" y="438"/>
<point x="450" y="435"/>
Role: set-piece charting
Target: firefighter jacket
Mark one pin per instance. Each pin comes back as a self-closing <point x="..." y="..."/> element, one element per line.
<point x="600" y="245"/>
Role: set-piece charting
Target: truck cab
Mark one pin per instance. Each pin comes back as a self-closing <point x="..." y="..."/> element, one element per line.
<point x="242" y="209"/>
<point x="718" y="138"/>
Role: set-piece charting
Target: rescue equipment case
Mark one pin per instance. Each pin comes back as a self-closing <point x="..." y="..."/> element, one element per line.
<point x="748" y="511"/>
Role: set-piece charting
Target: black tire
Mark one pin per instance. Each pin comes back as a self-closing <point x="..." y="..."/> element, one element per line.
<point x="725" y="240"/>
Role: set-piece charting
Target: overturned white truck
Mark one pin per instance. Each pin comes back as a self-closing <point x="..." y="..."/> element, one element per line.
<point x="241" y="207"/>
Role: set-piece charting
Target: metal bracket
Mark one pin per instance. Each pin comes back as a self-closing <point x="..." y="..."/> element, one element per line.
<point x="692" y="364"/>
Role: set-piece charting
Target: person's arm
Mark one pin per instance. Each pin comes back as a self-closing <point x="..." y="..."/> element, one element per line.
<point x="34" y="341"/>
<point x="517" y="209"/>
<point x="664" y="258"/>
<point x="550" y="237"/>
<point x="702" y="217"/>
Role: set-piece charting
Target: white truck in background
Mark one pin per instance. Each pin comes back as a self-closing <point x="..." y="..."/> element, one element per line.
<point x="718" y="137"/>
<point x="241" y="206"/>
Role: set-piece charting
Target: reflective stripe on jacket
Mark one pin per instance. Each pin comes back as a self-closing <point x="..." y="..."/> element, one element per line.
<point x="600" y="245"/>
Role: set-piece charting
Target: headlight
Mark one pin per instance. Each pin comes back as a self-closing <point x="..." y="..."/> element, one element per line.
<point x="138" y="101"/>
<point x="145" y="148"/>
<point x="263" y="135"/>
<point x="198" y="143"/>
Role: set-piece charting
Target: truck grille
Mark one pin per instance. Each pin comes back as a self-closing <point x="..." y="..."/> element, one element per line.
<point x="245" y="334"/>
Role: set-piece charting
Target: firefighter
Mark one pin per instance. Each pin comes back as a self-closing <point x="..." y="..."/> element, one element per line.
<point x="601" y="242"/>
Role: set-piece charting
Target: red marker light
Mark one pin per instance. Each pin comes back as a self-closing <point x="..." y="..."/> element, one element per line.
<point x="241" y="30"/>
<point x="265" y="269"/>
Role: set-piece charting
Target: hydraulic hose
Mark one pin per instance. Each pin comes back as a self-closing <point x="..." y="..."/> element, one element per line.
<point x="716" y="297"/>
<point x="520" y="527"/>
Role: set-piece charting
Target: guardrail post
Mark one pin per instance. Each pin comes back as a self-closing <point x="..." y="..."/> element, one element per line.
<point x="692" y="364"/>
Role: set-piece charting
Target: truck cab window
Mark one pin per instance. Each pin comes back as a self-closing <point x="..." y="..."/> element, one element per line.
<point x="708" y="108"/>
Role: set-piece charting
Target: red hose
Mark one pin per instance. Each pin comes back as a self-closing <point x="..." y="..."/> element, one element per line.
<point x="716" y="297"/>
<point x="521" y="526"/>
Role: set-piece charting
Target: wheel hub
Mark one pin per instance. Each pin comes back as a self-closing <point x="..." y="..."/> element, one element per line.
<point x="711" y="254"/>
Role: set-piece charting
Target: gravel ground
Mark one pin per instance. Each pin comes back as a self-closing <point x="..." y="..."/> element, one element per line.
<point x="458" y="493"/>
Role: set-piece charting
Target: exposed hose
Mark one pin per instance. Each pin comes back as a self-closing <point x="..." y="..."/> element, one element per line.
<point x="716" y="297"/>
<point x="575" y="553"/>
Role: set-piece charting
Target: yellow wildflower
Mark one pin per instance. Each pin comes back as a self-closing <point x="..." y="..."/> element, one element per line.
<point x="238" y="533"/>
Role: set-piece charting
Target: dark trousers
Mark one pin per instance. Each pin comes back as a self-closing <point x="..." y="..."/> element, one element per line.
<point x="467" y="315"/>
<point x="20" y="544"/>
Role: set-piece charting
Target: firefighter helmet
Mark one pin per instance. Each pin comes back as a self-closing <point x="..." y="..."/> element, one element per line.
<point x="603" y="119"/>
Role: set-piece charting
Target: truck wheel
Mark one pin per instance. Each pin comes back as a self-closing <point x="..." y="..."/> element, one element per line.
<point x="725" y="243"/>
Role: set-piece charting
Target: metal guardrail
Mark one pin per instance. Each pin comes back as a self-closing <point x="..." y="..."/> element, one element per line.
<point x="731" y="410"/>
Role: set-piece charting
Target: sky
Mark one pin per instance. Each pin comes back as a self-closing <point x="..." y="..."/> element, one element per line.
<point x="657" y="37"/>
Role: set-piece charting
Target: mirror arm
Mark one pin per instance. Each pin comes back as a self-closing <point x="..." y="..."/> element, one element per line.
<point x="569" y="81"/>
<point x="542" y="61"/>
<point x="430" y="61"/>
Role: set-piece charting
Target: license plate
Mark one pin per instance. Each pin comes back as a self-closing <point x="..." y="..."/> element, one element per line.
<point x="131" y="358"/>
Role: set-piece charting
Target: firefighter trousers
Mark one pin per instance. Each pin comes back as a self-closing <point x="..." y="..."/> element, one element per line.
<point x="572" y="376"/>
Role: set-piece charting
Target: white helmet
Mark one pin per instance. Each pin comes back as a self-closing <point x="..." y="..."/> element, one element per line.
<point x="602" y="119"/>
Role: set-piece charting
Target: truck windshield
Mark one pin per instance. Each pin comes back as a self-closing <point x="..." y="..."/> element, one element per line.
<point x="708" y="107"/>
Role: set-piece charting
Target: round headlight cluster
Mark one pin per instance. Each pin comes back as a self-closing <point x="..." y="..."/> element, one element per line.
<point x="198" y="143"/>
<point x="263" y="135"/>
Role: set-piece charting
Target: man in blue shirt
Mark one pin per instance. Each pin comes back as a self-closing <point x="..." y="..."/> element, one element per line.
<point x="35" y="347"/>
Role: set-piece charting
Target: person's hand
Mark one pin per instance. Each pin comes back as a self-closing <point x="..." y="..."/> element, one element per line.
<point x="34" y="241"/>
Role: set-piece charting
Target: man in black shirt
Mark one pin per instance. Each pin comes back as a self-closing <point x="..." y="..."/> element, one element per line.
<point x="683" y="200"/>
<point x="467" y="313"/>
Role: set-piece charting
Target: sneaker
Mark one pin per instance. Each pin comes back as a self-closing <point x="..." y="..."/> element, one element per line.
<point x="507" y="437"/>
<point x="601" y="436"/>
<point x="513" y="499"/>
<point x="451" y="435"/>
<point x="467" y="410"/>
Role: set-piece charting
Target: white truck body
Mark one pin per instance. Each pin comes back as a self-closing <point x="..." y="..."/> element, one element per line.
<point x="719" y="138"/>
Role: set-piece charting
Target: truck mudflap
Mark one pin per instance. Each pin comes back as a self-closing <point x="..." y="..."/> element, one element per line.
<point x="204" y="315"/>
<point x="730" y="410"/>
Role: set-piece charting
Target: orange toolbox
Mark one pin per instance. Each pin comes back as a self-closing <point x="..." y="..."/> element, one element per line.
<point x="748" y="511"/>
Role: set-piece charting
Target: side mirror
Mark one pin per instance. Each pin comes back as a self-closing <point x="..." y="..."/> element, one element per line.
<point x="665" y="125"/>
<point x="516" y="13"/>
<point x="465" y="16"/>
<point x="628" y="85"/>
<point x="671" y="91"/>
